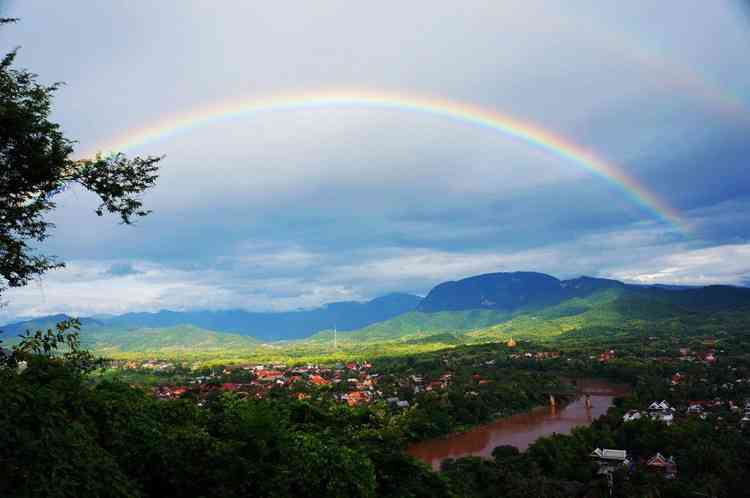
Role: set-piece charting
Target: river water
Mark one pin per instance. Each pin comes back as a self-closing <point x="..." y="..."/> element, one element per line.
<point x="522" y="429"/>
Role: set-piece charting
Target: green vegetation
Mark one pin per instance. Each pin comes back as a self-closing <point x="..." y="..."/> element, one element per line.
<point x="604" y="318"/>
<point x="166" y="341"/>
<point x="67" y="433"/>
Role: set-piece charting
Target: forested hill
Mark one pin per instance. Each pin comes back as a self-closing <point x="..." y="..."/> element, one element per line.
<point x="484" y="307"/>
<point x="271" y="326"/>
<point x="528" y="291"/>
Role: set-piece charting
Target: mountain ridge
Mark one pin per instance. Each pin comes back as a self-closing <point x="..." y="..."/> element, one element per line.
<point x="489" y="306"/>
<point x="514" y="291"/>
<point x="269" y="326"/>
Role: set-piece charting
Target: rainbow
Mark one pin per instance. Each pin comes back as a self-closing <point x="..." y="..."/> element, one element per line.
<point x="446" y="109"/>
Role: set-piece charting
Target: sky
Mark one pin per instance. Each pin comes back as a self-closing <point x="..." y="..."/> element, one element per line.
<point x="300" y="205"/>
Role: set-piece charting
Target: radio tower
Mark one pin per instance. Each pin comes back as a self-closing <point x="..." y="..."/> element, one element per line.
<point x="334" y="338"/>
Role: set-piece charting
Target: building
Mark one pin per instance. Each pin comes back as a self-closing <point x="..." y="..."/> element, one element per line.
<point x="631" y="416"/>
<point x="661" y="411"/>
<point x="666" y="466"/>
<point x="610" y="460"/>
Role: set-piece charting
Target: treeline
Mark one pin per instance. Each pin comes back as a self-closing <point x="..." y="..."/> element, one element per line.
<point x="62" y="436"/>
<point x="66" y="433"/>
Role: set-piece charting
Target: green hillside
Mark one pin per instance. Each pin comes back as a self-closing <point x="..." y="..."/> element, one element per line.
<point x="605" y="314"/>
<point x="416" y="324"/>
<point x="182" y="338"/>
<point x="599" y="317"/>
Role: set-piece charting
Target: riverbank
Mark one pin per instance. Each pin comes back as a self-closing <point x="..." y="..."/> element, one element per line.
<point x="521" y="429"/>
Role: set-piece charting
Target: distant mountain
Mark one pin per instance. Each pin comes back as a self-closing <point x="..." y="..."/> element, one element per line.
<point x="528" y="291"/>
<point x="527" y="305"/>
<point x="180" y="339"/>
<point x="507" y="292"/>
<point x="42" y="323"/>
<point x="483" y="308"/>
<point x="271" y="326"/>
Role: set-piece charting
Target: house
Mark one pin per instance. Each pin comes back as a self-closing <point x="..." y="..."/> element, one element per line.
<point x="695" y="408"/>
<point x="661" y="411"/>
<point x="610" y="460"/>
<point x="607" y="356"/>
<point x="269" y="375"/>
<point x="356" y="397"/>
<point x="631" y="416"/>
<point x="318" y="380"/>
<point x="659" y="406"/>
<point x="666" y="466"/>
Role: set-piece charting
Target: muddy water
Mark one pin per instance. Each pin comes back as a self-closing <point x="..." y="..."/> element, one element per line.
<point x="522" y="429"/>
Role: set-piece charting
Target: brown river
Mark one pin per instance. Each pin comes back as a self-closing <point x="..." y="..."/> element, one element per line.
<point x="522" y="429"/>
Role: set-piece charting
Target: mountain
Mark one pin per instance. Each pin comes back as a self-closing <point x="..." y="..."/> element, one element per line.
<point x="537" y="306"/>
<point x="271" y="326"/>
<point x="496" y="291"/>
<point x="167" y="341"/>
<point x="42" y="323"/>
<point x="484" y="308"/>
<point x="528" y="291"/>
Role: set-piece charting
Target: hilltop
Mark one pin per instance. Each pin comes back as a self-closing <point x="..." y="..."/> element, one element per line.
<point x="527" y="305"/>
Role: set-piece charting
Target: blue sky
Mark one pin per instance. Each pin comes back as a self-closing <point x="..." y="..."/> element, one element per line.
<point x="292" y="209"/>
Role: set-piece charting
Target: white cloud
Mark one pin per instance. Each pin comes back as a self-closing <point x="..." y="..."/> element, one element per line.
<point x="725" y="264"/>
<point x="269" y="277"/>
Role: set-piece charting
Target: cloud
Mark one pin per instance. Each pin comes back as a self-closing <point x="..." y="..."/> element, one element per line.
<point x="264" y="277"/>
<point x="122" y="269"/>
<point x="727" y="264"/>
<point x="294" y="208"/>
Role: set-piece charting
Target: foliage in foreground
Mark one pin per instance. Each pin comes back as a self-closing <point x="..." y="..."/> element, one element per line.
<point x="62" y="436"/>
<point x="37" y="163"/>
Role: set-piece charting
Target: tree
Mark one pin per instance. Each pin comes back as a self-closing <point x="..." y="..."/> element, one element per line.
<point x="37" y="163"/>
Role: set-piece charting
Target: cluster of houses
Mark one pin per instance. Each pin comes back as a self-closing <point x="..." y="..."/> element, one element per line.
<point x="538" y="355"/>
<point x="154" y="365"/>
<point x="658" y="410"/>
<point x="663" y="412"/>
<point x="609" y="461"/>
<point x="352" y="383"/>
<point x="708" y="357"/>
